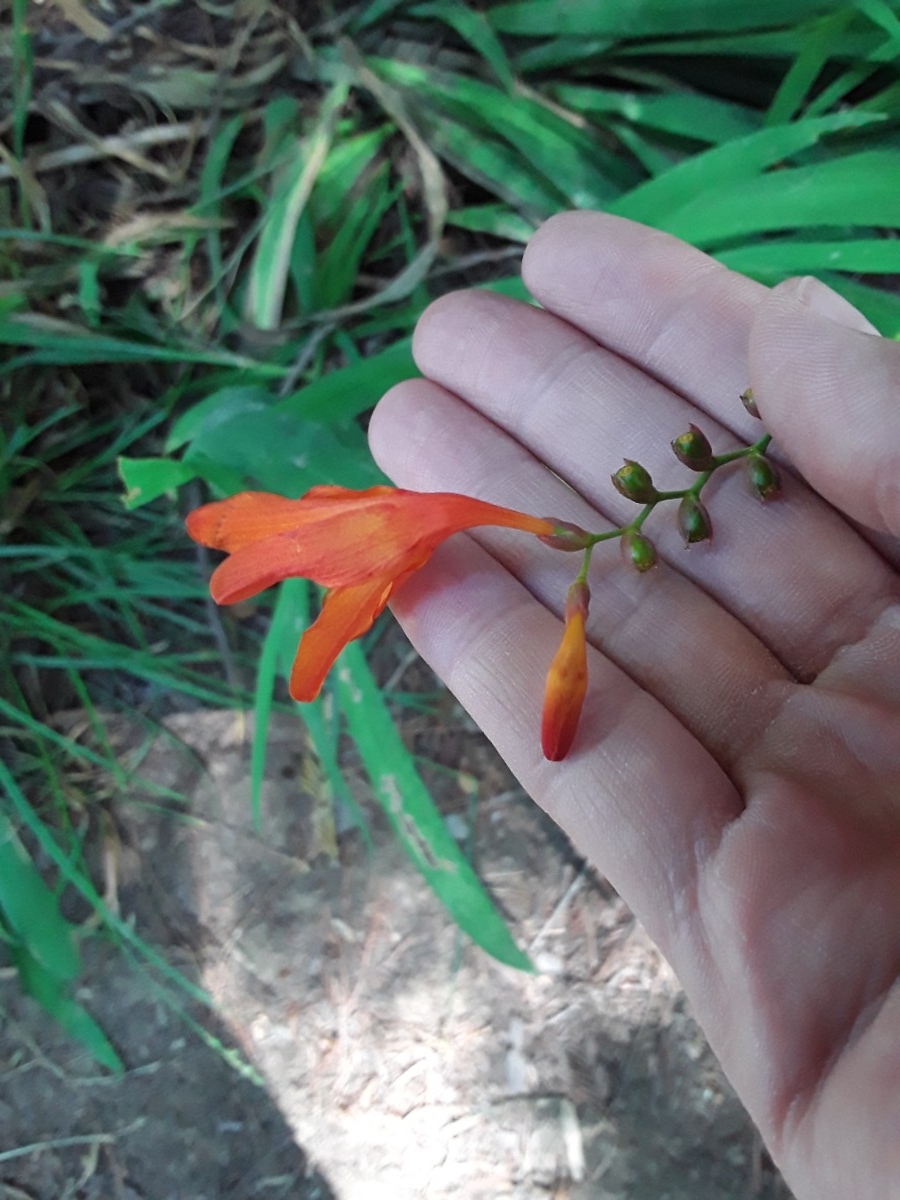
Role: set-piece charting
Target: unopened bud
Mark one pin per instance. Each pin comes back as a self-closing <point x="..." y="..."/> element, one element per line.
<point x="566" y="536"/>
<point x="634" y="483"/>
<point x="749" y="403"/>
<point x="763" y="476"/>
<point x="578" y="597"/>
<point x="693" y="520"/>
<point x="693" y="449"/>
<point x="638" y="551"/>
<point x="567" y="679"/>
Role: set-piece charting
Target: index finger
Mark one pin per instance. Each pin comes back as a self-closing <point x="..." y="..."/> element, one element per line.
<point x="656" y="301"/>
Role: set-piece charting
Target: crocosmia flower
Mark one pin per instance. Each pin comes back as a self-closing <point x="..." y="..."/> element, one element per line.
<point x="360" y="546"/>
<point x="566" y="679"/>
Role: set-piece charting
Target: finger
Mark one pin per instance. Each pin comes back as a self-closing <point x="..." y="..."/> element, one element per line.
<point x="830" y="393"/>
<point x="673" y="310"/>
<point x="637" y="793"/>
<point x="669" y="636"/>
<point x="793" y="571"/>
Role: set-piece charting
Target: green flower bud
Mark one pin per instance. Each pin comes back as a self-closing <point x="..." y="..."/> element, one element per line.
<point x="638" y="551"/>
<point x="693" y="520"/>
<point x="566" y="536"/>
<point x="749" y="403"/>
<point x="763" y="476"/>
<point x="693" y="449"/>
<point x="634" y="483"/>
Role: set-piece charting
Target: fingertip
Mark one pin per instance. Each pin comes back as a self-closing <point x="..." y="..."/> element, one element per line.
<point x="388" y="423"/>
<point x="826" y="389"/>
<point x="819" y="298"/>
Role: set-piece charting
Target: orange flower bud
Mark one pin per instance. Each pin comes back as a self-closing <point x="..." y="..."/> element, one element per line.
<point x="693" y="520"/>
<point x="634" y="483"/>
<point x="693" y="449"/>
<point x="566" y="680"/>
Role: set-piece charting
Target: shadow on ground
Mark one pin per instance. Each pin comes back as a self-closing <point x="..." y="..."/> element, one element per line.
<point x="403" y="1060"/>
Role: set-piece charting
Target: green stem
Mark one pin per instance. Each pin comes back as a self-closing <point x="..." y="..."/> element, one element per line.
<point x="581" y="577"/>
<point x="703" y="477"/>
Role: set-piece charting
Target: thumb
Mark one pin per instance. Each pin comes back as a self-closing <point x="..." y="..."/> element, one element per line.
<point x="828" y="389"/>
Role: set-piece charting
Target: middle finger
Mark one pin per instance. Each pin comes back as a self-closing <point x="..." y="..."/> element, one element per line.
<point x="792" y="570"/>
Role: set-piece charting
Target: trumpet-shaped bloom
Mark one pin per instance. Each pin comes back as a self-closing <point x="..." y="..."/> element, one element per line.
<point x="359" y="545"/>
<point x="566" y="679"/>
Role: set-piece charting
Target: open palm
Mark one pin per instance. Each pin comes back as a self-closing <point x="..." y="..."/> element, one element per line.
<point x="736" y="773"/>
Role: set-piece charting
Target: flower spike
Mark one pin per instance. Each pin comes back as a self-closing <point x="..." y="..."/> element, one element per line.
<point x="360" y="546"/>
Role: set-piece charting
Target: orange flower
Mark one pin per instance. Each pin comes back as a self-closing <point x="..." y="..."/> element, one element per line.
<point x="358" y="545"/>
<point x="566" y="679"/>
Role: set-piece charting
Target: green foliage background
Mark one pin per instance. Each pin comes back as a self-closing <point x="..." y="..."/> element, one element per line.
<point x="284" y="203"/>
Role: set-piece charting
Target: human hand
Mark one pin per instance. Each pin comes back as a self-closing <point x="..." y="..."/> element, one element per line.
<point x="736" y="772"/>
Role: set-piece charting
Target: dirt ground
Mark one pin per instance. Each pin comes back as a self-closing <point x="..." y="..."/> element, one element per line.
<point x="396" y="1060"/>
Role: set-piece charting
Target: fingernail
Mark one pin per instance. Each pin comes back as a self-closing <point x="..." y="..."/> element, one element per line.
<point x="825" y="302"/>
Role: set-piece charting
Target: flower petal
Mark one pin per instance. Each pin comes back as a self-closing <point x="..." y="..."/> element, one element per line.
<point x="242" y="519"/>
<point x="254" y="567"/>
<point x="338" y="537"/>
<point x="347" y="613"/>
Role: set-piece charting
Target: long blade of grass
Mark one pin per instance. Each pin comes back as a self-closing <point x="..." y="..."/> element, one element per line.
<point x="646" y="18"/>
<point x="683" y="114"/>
<point x="729" y="165"/>
<point x="474" y="28"/>
<point x="815" y="51"/>
<point x="343" y="394"/>
<point x="31" y="911"/>
<point x="291" y="617"/>
<point x="291" y="189"/>
<point x="122" y="929"/>
<point x="56" y="343"/>
<point x="858" y="189"/>
<point x="52" y="995"/>
<point x="868" y="256"/>
<point x="409" y="808"/>
<point x="567" y="159"/>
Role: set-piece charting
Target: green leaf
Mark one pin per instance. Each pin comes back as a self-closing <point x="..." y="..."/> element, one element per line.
<point x="646" y="18"/>
<point x="61" y="343"/>
<point x="342" y="170"/>
<point x="291" y="188"/>
<point x="783" y="257"/>
<point x="816" y="49"/>
<point x="569" y="162"/>
<point x="290" y="618"/>
<point x="31" y="911"/>
<point x="284" y="454"/>
<point x="496" y="219"/>
<point x="409" y="808"/>
<point x="859" y="189"/>
<point x="474" y="28"/>
<point x="338" y="264"/>
<point x="263" y="694"/>
<point x="53" y="997"/>
<point x="345" y="393"/>
<point x="683" y="114"/>
<point x="147" y="478"/>
<point x="218" y="408"/>
<point x="727" y="166"/>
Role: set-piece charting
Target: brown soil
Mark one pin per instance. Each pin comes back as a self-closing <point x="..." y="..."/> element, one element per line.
<point x="398" y="1060"/>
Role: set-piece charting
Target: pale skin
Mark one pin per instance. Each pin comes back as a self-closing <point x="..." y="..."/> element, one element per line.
<point x="736" y="773"/>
